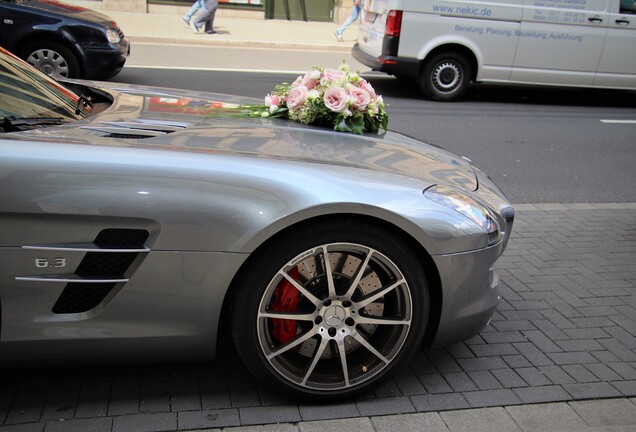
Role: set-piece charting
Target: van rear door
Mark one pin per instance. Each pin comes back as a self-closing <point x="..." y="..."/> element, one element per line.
<point x="372" y="26"/>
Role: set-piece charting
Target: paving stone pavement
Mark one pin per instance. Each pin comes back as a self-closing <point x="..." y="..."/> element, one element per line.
<point x="562" y="340"/>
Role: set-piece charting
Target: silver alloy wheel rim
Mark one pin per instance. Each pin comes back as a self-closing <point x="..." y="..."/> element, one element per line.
<point x="353" y="317"/>
<point x="50" y="62"/>
<point x="447" y="76"/>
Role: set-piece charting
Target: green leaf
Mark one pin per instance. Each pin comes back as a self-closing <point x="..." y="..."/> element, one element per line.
<point x="341" y="124"/>
<point x="356" y="124"/>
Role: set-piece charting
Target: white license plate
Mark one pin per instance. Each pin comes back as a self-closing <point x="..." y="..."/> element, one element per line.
<point x="370" y="17"/>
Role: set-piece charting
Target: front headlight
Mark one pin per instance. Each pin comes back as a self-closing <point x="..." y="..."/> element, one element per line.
<point x="468" y="207"/>
<point x="113" y="36"/>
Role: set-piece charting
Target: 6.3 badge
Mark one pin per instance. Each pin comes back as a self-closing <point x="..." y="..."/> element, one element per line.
<point x="46" y="263"/>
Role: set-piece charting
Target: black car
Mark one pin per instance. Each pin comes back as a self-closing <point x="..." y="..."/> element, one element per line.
<point x="62" y="39"/>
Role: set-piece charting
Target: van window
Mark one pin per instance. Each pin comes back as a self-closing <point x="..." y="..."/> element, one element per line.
<point x="628" y="6"/>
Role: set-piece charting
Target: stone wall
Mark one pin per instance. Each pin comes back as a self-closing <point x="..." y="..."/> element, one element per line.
<point x="342" y="10"/>
<point x="125" y="5"/>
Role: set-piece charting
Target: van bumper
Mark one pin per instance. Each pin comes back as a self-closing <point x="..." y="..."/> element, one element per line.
<point x="393" y="65"/>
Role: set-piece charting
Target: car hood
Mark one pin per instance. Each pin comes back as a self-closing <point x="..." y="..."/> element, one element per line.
<point x="195" y="122"/>
<point x="67" y="10"/>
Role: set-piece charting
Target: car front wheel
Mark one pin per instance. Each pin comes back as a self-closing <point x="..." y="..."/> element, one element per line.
<point x="331" y="311"/>
<point x="53" y="59"/>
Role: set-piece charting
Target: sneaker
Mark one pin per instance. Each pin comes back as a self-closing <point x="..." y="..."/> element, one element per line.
<point x="194" y="27"/>
<point x="339" y="36"/>
<point x="185" y="21"/>
<point x="212" y="32"/>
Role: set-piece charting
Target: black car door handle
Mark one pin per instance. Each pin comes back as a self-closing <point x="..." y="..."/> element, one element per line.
<point x="595" y="19"/>
<point x="622" y="21"/>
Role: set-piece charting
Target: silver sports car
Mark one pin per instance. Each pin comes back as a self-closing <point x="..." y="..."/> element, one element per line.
<point x="136" y="224"/>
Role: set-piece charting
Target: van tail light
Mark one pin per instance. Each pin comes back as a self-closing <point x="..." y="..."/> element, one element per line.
<point x="393" y="23"/>
<point x="391" y="41"/>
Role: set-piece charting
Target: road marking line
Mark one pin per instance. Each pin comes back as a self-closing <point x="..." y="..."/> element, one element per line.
<point x="268" y="71"/>
<point x="214" y="69"/>
<point x="574" y="206"/>
<point x="619" y="121"/>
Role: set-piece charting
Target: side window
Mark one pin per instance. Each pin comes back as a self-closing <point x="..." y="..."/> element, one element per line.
<point x="628" y="7"/>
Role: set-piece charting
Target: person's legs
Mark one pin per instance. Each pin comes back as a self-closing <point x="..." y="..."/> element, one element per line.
<point x="205" y="18"/>
<point x="193" y="9"/>
<point x="209" y="24"/>
<point x="352" y="18"/>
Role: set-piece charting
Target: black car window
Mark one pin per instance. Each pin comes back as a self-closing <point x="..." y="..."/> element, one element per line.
<point x="27" y="93"/>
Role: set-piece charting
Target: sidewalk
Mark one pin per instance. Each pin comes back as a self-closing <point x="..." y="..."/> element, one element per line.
<point x="240" y="32"/>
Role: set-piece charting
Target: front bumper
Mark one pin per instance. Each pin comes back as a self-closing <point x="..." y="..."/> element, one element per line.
<point x="106" y="63"/>
<point x="470" y="287"/>
<point x="470" y="298"/>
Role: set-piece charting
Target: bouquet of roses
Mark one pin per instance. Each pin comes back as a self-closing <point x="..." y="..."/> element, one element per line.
<point x="334" y="98"/>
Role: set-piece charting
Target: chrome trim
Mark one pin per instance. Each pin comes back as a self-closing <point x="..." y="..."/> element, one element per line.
<point x="68" y="278"/>
<point x="84" y="247"/>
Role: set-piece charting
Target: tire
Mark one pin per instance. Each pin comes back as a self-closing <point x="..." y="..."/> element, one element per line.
<point x="303" y="331"/>
<point x="445" y="77"/>
<point x="53" y="59"/>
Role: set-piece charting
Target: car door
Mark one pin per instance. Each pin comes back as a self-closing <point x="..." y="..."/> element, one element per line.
<point x="618" y="61"/>
<point x="561" y="42"/>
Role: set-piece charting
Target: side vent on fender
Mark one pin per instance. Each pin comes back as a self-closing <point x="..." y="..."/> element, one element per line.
<point x="104" y="267"/>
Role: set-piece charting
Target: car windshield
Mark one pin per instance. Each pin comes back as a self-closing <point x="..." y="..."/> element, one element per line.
<point x="26" y="93"/>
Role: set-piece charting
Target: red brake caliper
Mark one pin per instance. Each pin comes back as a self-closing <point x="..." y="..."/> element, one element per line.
<point x="285" y="300"/>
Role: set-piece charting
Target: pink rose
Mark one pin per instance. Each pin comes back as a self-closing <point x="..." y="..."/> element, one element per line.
<point x="364" y="84"/>
<point x="297" y="96"/>
<point x="272" y="100"/>
<point x="336" y="98"/>
<point x="360" y="98"/>
<point x="333" y="74"/>
<point x="308" y="81"/>
<point x="297" y="81"/>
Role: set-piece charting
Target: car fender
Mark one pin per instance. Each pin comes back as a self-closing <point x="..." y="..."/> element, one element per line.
<point x="350" y="210"/>
<point x="427" y="231"/>
<point x="51" y="34"/>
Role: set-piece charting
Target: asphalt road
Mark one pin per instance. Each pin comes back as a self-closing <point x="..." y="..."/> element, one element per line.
<point x="540" y="145"/>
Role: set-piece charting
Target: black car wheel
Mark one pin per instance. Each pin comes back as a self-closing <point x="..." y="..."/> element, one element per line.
<point x="445" y="77"/>
<point x="331" y="311"/>
<point x="53" y="59"/>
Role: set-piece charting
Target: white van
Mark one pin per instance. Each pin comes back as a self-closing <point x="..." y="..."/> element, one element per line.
<point x="446" y="44"/>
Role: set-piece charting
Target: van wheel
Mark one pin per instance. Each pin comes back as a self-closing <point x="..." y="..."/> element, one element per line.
<point x="445" y="77"/>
